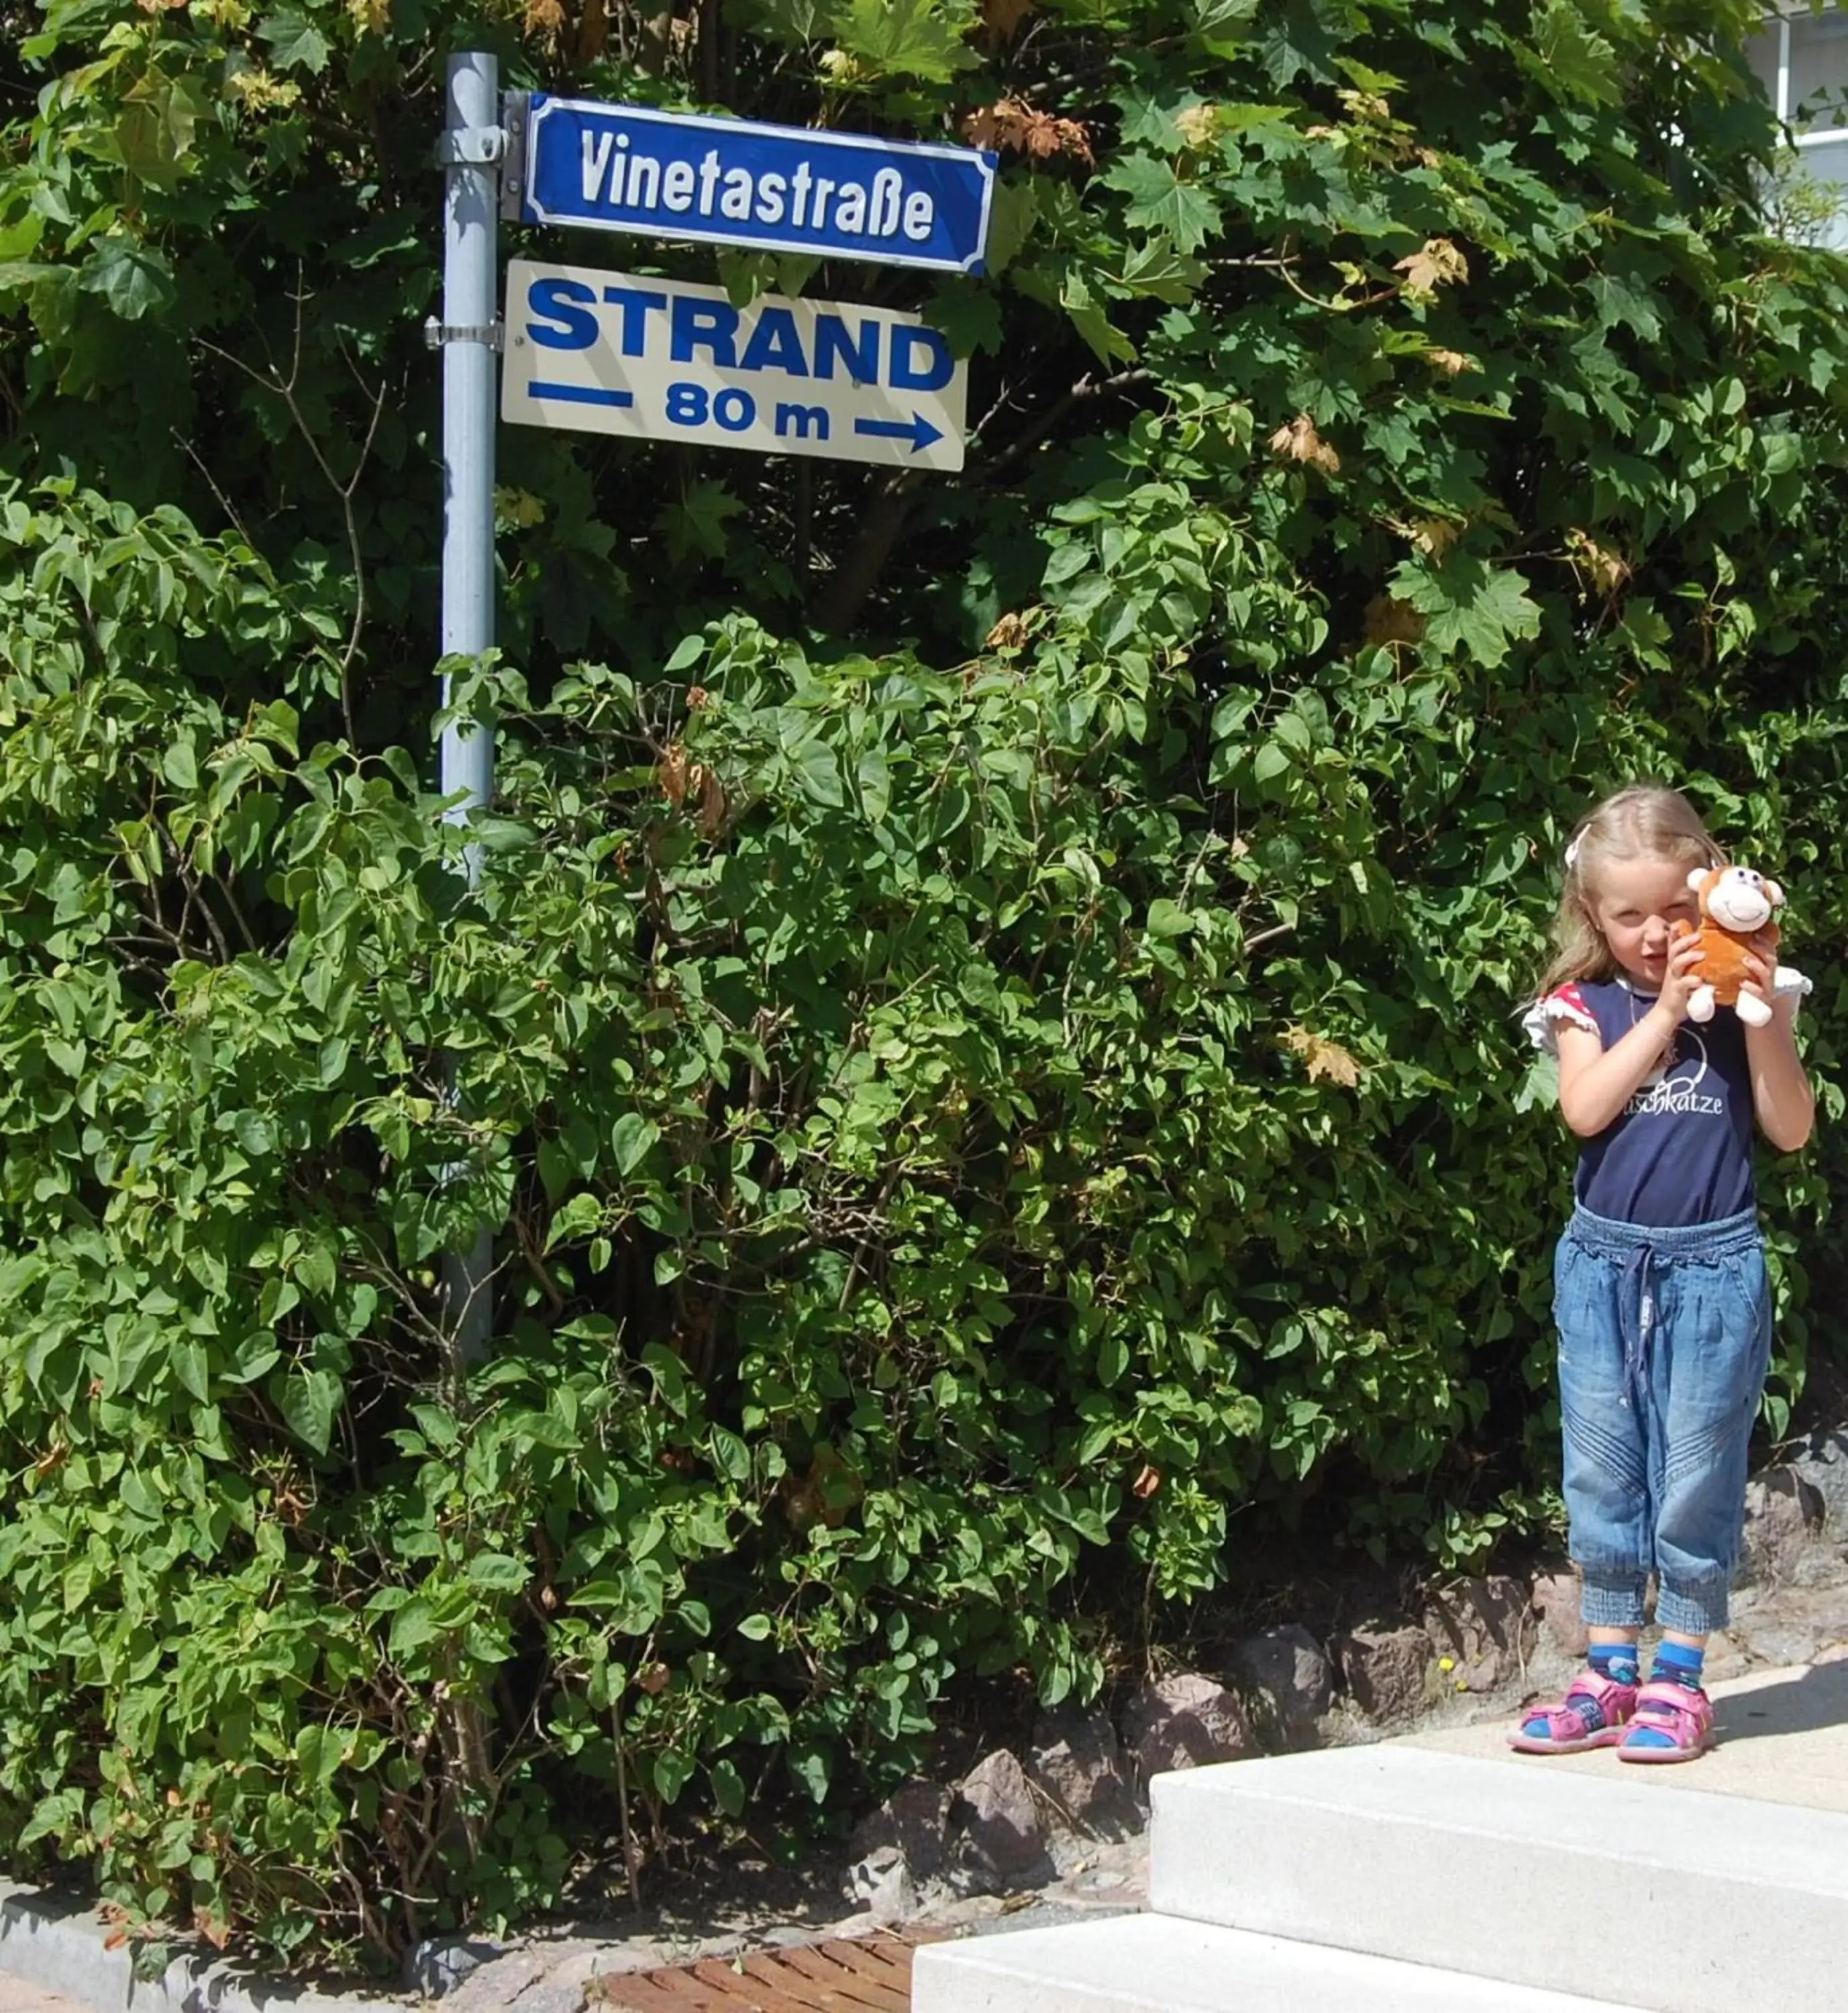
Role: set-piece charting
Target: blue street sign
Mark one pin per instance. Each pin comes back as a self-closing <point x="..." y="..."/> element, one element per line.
<point x="775" y="188"/>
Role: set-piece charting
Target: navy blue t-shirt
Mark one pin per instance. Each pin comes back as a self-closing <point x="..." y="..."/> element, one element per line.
<point x="1680" y="1151"/>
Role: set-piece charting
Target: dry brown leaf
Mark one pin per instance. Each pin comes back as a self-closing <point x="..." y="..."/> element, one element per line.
<point x="216" y="1933"/>
<point x="1609" y="571"/>
<point x="1434" y="535"/>
<point x="1437" y="263"/>
<point x="1003" y="18"/>
<point x="1389" y="619"/>
<point x="672" y="769"/>
<point x="1453" y="362"/>
<point x="1327" y="1061"/>
<point x="711" y="792"/>
<point x="653" y="1678"/>
<point x="1297" y="440"/>
<point x="1147" y="1483"/>
<point x="1320" y="132"/>
<point x="1009" y="123"/>
<point x="1009" y="633"/>
<point x="697" y="696"/>
<point x="1365" y="105"/>
<point x="1198" y="125"/>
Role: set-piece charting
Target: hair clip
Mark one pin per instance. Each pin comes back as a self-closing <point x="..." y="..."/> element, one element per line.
<point x="1572" y="852"/>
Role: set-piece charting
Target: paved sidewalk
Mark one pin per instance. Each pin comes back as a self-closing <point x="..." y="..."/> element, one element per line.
<point x="1783" y="1739"/>
<point x="17" y="1997"/>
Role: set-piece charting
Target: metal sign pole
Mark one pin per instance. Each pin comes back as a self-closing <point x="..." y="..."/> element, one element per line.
<point x="469" y="338"/>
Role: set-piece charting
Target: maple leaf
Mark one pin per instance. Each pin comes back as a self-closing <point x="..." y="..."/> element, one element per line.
<point x="1003" y="18"/>
<point x="1471" y="606"/>
<point x="1198" y="126"/>
<point x="1434" y="535"/>
<point x="1326" y="1061"/>
<point x="1009" y="123"/>
<point x="1297" y="440"/>
<point x="1609" y="569"/>
<point x="1365" y="105"/>
<point x="1389" y="619"/>
<point x="1437" y="263"/>
<point x="903" y="38"/>
<point x="1160" y="200"/>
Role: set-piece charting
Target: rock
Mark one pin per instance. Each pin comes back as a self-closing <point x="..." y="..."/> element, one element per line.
<point x="1556" y="1600"/>
<point x="436" y="1966"/>
<point x="913" y="1819"/>
<point x="1185" y="1721"/>
<point x="1077" y="1765"/>
<point x="881" y="1884"/>
<point x="1390" y="1671"/>
<point x="1772" y="1640"/>
<point x="1824" y="1465"/>
<point x="1783" y="1512"/>
<point x="1290" y="1681"/>
<point x="1484" y="1630"/>
<point x="994" y="1829"/>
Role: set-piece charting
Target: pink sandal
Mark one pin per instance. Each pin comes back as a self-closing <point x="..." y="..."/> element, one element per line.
<point x="1568" y="1730"/>
<point x="1685" y="1717"/>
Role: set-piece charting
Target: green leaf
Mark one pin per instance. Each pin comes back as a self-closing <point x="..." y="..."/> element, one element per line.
<point x="728" y="1788"/>
<point x="1014" y="211"/>
<point x="1470" y="605"/>
<point x="497" y="1571"/>
<point x="1569" y="57"/>
<point x="310" y="1401"/>
<point x="1155" y="268"/>
<point x="672" y="1772"/>
<point x="294" y="41"/>
<point x="135" y="279"/>
<point x="631" y="1138"/>
<point x="413" y="1625"/>
<point x="1160" y="200"/>
<point x="920" y="38"/>
<point x="1223" y="27"/>
<point x="694" y="526"/>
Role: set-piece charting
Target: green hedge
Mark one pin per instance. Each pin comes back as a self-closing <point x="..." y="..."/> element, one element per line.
<point x="973" y="1130"/>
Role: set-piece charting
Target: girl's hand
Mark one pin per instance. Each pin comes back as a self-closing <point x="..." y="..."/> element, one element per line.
<point x="1681" y="980"/>
<point x="1760" y="974"/>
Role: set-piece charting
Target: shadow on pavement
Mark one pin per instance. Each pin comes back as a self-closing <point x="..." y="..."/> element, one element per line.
<point x="1806" y="1703"/>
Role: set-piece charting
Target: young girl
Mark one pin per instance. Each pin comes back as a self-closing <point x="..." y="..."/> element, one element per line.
<point x="1660" y="1293"/>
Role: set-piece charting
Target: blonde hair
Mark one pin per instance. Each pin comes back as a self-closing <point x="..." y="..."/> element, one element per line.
<point x="1644" y="822"/>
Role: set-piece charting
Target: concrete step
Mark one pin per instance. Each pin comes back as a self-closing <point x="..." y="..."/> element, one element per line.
<point x="1157" y="1964"/>
<point x="1616" y="1889"/>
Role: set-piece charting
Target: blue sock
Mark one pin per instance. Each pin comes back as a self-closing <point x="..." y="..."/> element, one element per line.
<point x="1614" y="1661"/>
<point x="1618" y="1661"/>
<point x="1676" y="1664"/>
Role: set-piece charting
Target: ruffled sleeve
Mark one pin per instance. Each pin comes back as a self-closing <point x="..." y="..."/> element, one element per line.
<point x="1787" y="979"/>
<point x="1542" y="1021"/>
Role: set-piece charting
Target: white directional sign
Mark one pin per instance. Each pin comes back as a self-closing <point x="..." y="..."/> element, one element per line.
<point x="660" y="359"/>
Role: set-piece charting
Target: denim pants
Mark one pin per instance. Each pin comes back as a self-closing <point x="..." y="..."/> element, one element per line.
<point x="1664" y="1338"/>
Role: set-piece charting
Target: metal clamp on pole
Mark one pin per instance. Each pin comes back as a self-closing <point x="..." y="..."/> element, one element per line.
<point x="437" y="333"/>
<point x="471" y="147"/>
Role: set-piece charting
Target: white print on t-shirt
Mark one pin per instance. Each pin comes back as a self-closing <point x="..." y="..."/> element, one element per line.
<point x="1661" y="1092"/>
